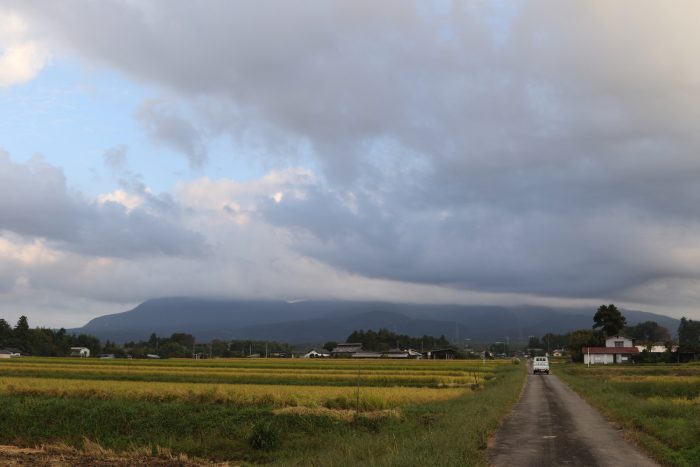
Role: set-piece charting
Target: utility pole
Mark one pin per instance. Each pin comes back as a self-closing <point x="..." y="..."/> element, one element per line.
<point x="589" y="356"/>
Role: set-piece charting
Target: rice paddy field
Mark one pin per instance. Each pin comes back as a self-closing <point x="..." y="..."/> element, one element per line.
<point x="657" y="405"/>
<point x="261" y="411"/>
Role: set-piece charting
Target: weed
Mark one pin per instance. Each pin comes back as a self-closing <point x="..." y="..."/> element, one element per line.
<point x="264" y="436"/>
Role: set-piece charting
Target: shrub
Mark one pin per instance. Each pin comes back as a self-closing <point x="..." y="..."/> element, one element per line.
<point x="264" y="436"/>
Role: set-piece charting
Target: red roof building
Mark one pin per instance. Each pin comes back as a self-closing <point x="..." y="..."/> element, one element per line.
<point x="618" y="349"/>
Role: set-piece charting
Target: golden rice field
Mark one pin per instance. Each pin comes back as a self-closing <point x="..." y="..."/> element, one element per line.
<point x="341" y="384"/>
<point x="375" y="398"/>
<point x="258" y="410"/>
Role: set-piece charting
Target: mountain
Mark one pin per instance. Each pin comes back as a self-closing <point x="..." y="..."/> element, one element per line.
<point x="320" y="321"/>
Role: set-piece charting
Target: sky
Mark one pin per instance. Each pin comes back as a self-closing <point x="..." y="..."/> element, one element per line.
<point x="468" y="152"/>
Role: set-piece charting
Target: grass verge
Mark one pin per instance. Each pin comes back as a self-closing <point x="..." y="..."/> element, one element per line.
<point x="447" y="433"/>
<point x="661" y="416"/>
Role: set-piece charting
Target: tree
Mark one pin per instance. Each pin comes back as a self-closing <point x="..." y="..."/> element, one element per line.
<point x="689" y="335"/>
<point x="648" y="332"/>
<point x="582" y="338"/>
<point x="21" y="334"/>
<point x="534" y="343"/>
<point x="5" y="332"/>
<point x="609" y="319"/>
<point x="185" y="340"/>
<point x="330" y="345"/>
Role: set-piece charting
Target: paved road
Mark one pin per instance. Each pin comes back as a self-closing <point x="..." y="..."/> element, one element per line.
<point x="552" y="426"/>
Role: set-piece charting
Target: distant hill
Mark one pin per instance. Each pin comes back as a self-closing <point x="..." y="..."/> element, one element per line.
<point x="321" y="321"/>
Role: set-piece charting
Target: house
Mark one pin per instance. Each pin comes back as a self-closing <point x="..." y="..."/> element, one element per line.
<point x="618" y="349"/>
<point x="313" y="353"/>
<point x="12" y="352"/>
<point x="346" y="350"/>
<point x="398" y="353"/>
<point x="5" y="353"/>
<point x="440" y="354"/>
<point x="79" y="352"/>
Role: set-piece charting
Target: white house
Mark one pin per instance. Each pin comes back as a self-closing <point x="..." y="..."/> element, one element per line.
<point x="618" y="349"/>
<point x="79" y="352"/>
<point x="313" y="353"/>
<point x="10" y="353"/>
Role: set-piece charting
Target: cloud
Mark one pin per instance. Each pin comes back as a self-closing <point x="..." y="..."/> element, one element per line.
<point x="115" y="158"/>
<point x="164" y="125"/>
<point x="35" y="202"/>
<point x="522" y="149"/>
<point x="21" y="58"/>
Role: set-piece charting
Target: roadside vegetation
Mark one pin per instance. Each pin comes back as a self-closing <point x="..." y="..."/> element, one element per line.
<point x="657" y="405"/>
<point x="281" y="411"/>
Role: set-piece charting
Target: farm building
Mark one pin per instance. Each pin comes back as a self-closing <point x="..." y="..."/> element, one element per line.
<point x="11" y="352"/>
<point x="313" y="353"/>
<point x="346" y="350"/>
<point x="367" y="355"/>
<point x="5" y="353"/>
<point x="398" y="353"/>
<point x="618" y="349"/>
<point x="79" y="352"/>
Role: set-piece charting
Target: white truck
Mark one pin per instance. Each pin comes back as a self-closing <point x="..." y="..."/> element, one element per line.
<point x="540" y="365"/>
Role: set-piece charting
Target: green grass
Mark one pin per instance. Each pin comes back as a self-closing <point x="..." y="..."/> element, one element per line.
<point x="451" y="432"/>
<point x="657" y="405"/>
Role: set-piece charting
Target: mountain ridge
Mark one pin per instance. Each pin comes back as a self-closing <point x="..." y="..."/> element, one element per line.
<point x="324" y="320"/>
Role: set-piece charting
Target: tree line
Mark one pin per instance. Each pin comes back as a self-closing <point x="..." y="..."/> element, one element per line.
<point x="384" y="340"/>
<point x="43" y="341"/>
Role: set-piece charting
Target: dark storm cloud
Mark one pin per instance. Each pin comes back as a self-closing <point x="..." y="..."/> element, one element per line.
<point x="35" y="202"/>
<point x="550" y="148"/>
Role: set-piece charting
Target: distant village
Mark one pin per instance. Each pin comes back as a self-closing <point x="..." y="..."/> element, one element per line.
<point x="609" y="342"/>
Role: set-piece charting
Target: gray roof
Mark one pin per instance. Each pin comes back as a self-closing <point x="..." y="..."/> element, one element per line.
<point x="347" y="348"/>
